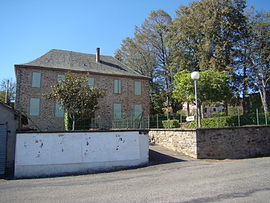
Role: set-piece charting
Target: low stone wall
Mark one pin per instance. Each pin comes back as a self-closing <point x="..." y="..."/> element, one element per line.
<point x="183" y="141"/>
<point x="216" y="143"/>
<point x="240" y="142"/>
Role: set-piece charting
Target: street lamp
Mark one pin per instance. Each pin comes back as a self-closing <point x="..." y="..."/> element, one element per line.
<point x="195" y="76"/>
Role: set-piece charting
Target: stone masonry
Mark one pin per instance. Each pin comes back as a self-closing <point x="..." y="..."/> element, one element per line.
<point x="216" y="143"/>
<point x="47" y="120"/>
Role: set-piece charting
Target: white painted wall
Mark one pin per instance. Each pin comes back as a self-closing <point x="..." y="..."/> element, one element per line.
<point x="43" y="154"/>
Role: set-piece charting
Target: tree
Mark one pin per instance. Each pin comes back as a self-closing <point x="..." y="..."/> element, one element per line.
<point x="213" y="86"/>
<point x="260" y="72"/>
<point x="75" y="96"/>
<point x="149" y="53"/>
<point x="7" y="90"/>
<point x="205" y="34"/>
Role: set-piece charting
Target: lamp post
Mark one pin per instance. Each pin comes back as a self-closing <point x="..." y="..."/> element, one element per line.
<point x="195" y="76"/>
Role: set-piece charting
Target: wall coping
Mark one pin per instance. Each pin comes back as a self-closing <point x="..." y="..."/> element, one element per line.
<point x="141" y="131"/>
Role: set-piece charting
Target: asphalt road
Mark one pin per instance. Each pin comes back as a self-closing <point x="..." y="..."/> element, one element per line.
<point x="172" y="178"/>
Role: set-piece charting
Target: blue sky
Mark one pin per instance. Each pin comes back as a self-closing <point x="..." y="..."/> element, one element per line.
<point x="30" y="28"/>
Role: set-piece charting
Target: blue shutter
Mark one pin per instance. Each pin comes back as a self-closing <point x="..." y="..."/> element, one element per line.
<point x="59" y="111"/>
<point x="60" y="77"/>
<point x="34" y="106"/>
<point x="117" y="111"/>
<point x="36" y="76"/>
<point x="138" y="111"/>
<point x="138" y="87"/>
<point x="91" y="82"/>
<point x="117" y="86"/>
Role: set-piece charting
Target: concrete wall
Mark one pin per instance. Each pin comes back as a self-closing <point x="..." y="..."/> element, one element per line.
<point x="45" y="154"/>
<point x="7" y="116"/>
<point x="47" y="120"/>
<point x="216" y="143"/>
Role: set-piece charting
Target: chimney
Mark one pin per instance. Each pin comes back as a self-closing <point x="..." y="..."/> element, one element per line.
<point x="98" y="55"/>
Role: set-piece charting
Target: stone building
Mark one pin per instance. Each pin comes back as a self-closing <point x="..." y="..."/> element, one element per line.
<point x="127" y="92"/>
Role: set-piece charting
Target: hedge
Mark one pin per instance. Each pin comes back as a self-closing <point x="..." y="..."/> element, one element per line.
<point x="81" y="124"/>
<point x="229" y="121"/>
<point x="171" y="124"/>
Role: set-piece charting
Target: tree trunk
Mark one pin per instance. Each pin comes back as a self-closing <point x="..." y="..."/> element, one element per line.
<point x="73" y="124"/>
<point x="188" y="110"/>
<point x="263" y="95"/>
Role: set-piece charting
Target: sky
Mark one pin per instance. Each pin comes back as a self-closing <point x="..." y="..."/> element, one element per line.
<point x="30" y="28"/>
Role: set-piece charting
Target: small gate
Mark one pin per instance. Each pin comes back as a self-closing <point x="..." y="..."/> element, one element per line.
<point x="3" y="148"/>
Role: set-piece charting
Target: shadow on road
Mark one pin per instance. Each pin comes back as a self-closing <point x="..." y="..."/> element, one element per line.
<point x="156" y="158"/>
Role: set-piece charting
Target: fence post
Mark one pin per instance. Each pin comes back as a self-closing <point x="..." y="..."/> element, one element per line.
<point x="148" y="123"/>
<point x="238" y="117"/>
<point x="157" y="120"/>
<point x="257" y="116"/>
<point x="265" y="115"/>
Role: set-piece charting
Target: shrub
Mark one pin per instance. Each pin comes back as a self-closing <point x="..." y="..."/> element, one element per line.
<point x="81" y="124"/>
<point x="229" y="121"/>
<point x="171" y="124"/>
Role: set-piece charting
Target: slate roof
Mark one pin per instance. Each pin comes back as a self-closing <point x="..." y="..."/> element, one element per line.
<point x="75" y="61"/>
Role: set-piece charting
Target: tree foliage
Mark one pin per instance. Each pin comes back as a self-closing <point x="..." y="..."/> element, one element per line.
<point x="219" y="35"/>
<point x="213" y="87"/>
<point x="75" y="96"/>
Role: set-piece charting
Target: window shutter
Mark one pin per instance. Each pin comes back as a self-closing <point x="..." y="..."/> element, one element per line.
<point x="138" y="111"/>
<point x="91" y="82"/>
<point x="34" y="106"/>
<point x="138" y="88"/>
<point x="59" y="111"/>
<point x="36" y="76"/>
<point x="117" y="111"/>
<point x="60" y="77"/>
<point x="117" y="86"/>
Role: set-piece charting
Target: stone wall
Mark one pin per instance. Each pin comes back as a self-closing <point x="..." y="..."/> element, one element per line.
<point x="47" y="119"/>
<point x="183" y="141"/>
<point x="240" y="142"/>
<point x="216" y="143"/>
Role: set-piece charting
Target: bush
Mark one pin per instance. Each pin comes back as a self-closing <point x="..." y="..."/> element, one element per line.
<point x="81" y="124"/>
<point x="229" y="121"/>
<point x="171" y="124"/>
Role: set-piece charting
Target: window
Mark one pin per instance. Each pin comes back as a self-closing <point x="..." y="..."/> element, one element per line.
<point x="138" y="111"/>
<point x="91" y="82"/>
<point x="117" y="86"/>
<point x="117" y="111"/>
<point x="36" y="76"/>
<point x="60" y="77"/>
<point x="214" y="109"/>
<point x="59" y="111"/>
<point x="34" y="106"/>
<point x="138" y="87"/>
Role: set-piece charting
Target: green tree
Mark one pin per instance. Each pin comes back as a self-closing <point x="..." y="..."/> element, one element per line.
<point x="213" y="86"/>
<point x="205" y="34"/>
<point x="149" y="53"/>
<point x="75" y="96"/>
<point x="260" y="72"/>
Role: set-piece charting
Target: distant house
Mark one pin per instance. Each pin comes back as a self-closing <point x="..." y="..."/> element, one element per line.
<point x="127" y="92"/>
<point x="207" y="111"/>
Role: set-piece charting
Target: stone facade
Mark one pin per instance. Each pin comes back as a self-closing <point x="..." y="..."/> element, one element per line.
<point x="47" y="120"/>
<point x="216" y="143"/>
